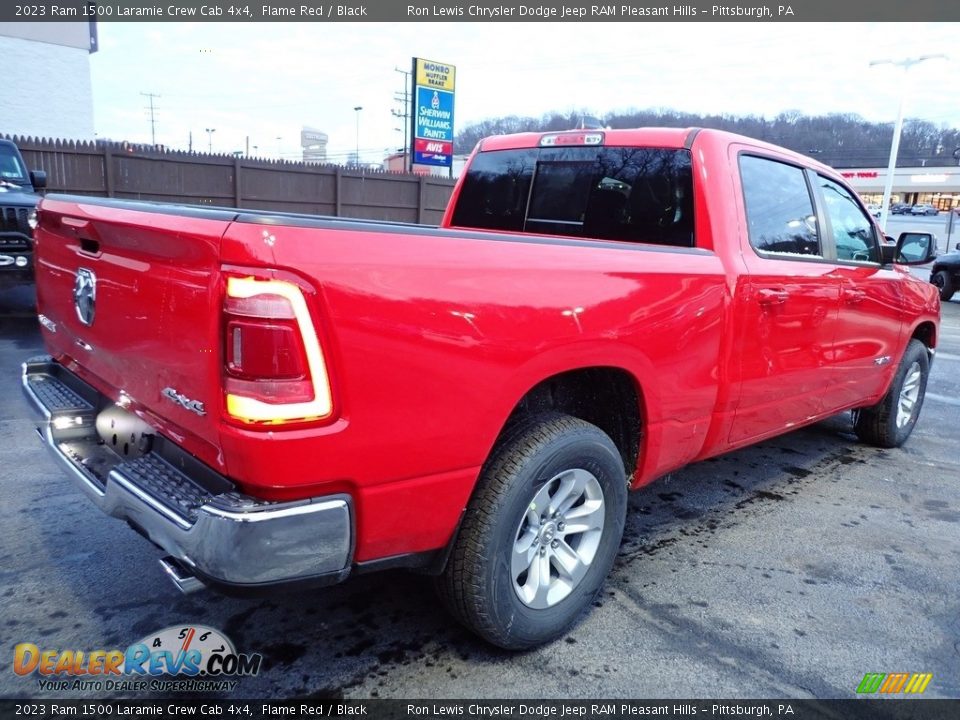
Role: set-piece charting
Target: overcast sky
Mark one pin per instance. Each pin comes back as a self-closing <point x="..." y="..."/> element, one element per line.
<point x="268" y="80"/>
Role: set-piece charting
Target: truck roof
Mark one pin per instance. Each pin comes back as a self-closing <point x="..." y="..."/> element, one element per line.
<point x="647" y="136"/>
<point x="661" y="137"/>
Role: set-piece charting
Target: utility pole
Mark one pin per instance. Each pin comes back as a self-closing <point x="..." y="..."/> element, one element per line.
<point x="403" y="113"/>
<point x="153" y="120"/>
<point x="906" y="64"/>
<point x="356" y="155"/>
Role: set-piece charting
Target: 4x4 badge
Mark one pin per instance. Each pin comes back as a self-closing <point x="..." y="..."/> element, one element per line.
<point x="85" y="295"/>
<point x="183" y="401"/>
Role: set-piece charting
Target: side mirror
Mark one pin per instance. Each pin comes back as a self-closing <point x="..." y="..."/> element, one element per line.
<point x="38" y="178"/>
<point x="915" y="248"/>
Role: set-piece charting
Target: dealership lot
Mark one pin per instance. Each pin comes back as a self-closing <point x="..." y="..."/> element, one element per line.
<point x="789" y="569"/>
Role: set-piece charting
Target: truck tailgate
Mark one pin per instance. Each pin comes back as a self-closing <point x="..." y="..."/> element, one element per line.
<point x="129" y="300"/>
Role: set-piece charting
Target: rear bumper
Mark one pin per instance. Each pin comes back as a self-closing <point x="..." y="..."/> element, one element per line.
<point x="220" y="536"/>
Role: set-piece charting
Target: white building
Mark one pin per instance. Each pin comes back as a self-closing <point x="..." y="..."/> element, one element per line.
<point x="46" y="71"/>
<point x="937" y="186"/>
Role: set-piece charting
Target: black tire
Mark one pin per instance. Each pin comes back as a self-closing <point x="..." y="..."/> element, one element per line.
<point x="478" y="585"/>
<point x="883" y="424"/>
<point x="943" y="281"/>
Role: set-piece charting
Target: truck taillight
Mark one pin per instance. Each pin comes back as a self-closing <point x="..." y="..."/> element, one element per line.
<point x="263" y="349"/>
<point x="274" y="370"/>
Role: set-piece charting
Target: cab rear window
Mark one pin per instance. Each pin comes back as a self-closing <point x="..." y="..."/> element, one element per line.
<point x="610" y="193"/>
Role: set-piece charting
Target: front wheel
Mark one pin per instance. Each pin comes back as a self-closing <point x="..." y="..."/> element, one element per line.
<point x="943" y="281"/>
<point x="540" y="533"/>
<point x="889" y="423"/>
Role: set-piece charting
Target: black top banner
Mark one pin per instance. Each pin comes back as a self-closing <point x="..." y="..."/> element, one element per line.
<point x="504" y="11"/>
<point x="506" y="709"/>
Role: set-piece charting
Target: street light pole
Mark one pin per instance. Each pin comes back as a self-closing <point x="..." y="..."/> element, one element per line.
<point x="356" y="155"/>
<point x="210" y="132"/>
<point x="906" y="64"/>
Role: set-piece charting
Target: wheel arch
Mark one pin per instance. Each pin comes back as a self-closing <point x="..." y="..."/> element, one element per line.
<point x="606" y="396"/>
<point x="941" y="265"/>
<point x="926" y="332"/>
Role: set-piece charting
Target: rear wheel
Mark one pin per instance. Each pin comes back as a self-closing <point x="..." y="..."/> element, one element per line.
<point x="540" y="534"/>
<point x="889" y="423"/>
<point x="943" y="281"/>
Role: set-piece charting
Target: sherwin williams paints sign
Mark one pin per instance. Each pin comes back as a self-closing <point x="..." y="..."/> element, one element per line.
<point x="433" y="95"/>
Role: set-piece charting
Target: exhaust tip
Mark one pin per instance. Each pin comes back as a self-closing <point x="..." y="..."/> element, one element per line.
<point x="180" y="575"/>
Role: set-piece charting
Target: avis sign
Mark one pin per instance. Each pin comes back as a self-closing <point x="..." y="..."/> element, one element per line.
<point x="433" y="100"/>
<point x="432" y="151"/>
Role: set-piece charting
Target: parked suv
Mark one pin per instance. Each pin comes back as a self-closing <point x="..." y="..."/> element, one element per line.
<point x="923" y="209"/>
<point x="945" y="273"/>
<point x="18" y="200"/>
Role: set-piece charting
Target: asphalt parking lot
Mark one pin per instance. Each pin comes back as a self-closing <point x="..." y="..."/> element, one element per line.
<point x="789" y="569"/>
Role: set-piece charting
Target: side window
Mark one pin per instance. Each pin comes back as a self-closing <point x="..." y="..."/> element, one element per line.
<point x="780" y="214"/>
<point x="853" y="231"/>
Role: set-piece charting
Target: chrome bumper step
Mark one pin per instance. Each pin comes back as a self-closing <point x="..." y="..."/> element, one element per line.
<point x="213" y="533"/>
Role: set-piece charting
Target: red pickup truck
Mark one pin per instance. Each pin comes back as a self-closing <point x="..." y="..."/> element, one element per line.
<point x="275" y="398"/>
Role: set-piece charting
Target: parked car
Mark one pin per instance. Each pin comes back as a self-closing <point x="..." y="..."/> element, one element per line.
<point x="899" y="209"/>
<point x="874" y="209"/>
<point x="923" y="209"/>
<point x="945" y="273"/>
<point x="18" y="200"/>
<point x="275" y="398"/>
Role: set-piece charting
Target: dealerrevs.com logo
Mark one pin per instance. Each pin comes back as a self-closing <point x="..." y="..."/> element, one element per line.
<point x="192" y="658"/>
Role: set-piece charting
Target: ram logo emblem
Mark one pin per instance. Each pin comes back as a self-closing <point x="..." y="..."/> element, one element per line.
<point x="85" y="295"/>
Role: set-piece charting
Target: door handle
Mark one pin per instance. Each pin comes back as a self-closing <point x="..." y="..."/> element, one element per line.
<point x="771" y="296"/>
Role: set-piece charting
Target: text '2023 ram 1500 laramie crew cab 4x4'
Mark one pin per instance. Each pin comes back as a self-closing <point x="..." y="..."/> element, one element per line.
<point x="273" y="398"/>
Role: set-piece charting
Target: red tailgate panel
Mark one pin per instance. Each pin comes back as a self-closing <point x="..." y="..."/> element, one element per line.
<point x="156" y="310"/>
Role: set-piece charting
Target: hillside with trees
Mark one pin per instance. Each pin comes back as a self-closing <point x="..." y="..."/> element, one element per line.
<point x="840" y="140"/>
